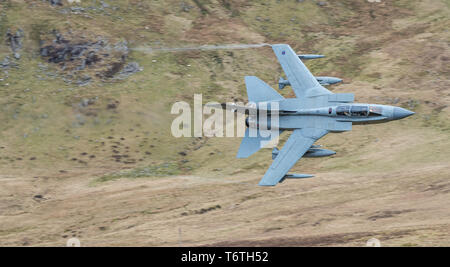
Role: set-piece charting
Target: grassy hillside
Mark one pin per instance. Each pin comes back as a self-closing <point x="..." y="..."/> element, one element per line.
<point x="106" y="144"/>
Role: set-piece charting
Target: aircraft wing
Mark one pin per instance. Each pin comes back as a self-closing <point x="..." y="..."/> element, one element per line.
<point x="293" y="150"/>
<point x="302" y="81"/>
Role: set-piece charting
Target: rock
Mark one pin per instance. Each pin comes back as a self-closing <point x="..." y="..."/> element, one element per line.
<point x="44" y="51"/>
<point x="111" y="106"/>
<point x="104" y="5"/>
<point x="91" y="58"/>
<point x="42" y="66"/>
<point x="17" y="56"/>
<point x="73" y="55"/>
<point x="87" y="102"/>
<point x="66" y="80"/>
<point x="185" y="7"/>
<point x="77" y="10"/>
<point x="14" y="40"/>
<point x="128" y="70"/>
<point x="84" y="80"/>
<point x="56" y="2"/>
<point x="73" y="10"/>
<point x="80" y="120"/>
<point x="122" y="47"/>
<point x="412" y="103"/>
<point x="5" y="62"/>
<point x="321" y="3"/>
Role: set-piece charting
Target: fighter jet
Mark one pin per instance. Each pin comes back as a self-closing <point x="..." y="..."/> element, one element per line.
<point x="313" y="113"/>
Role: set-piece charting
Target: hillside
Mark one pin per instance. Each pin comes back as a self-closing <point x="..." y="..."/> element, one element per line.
<point x="85" y="143"/>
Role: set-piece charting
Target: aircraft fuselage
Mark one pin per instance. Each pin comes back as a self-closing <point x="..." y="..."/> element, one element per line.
<point x="335" y="118"/>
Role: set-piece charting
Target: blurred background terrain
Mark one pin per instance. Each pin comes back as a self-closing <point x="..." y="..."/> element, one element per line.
<point x="85" y="143"/>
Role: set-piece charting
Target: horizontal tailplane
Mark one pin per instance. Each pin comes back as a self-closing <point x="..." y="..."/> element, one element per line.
<point x="259" y="91"/>
<point x="251" y="145"/>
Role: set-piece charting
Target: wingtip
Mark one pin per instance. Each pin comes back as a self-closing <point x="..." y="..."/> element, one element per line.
<point x="249" y="78"/>
<point x="266" y="185"/>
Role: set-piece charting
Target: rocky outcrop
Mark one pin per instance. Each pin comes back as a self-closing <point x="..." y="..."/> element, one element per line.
<point x="75" y="54"/>
<point x="14" y="41"/>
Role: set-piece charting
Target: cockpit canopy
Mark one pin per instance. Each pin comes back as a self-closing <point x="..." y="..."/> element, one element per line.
<point x="358" y="111"/>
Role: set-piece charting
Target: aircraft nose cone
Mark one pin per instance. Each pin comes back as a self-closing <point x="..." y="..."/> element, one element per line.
<point x="400" y="113"/>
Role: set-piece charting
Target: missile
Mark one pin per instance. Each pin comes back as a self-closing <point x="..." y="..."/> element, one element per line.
<point x="323" y="80"/>
<point x="306" y="57"/>
<point x="318" y="152"/>
<point x="313" y="152"/>
<point x="296" y="176"/>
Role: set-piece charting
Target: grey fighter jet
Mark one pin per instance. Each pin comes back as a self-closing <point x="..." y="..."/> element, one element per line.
<point x="314" y="113"/>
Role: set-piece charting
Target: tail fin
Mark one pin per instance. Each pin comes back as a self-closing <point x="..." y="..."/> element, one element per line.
<point x="259" y="91"/>
<point x="251" y="145"/>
